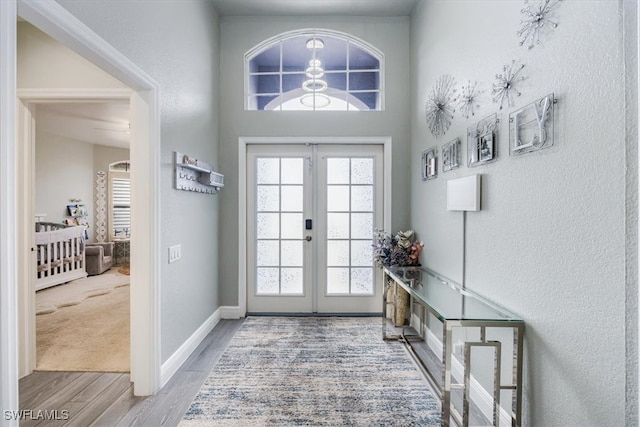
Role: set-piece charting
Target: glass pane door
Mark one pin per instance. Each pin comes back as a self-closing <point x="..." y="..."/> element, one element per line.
<point x="311" y="215"/>
<point x="278" y="252"/>
<point x="349" y="209"/>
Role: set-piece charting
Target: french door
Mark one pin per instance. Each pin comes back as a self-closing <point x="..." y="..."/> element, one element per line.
<point x="311" y="213"/>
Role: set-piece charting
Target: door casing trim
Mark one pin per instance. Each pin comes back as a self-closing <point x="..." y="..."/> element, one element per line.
<point x="243" y="142"/>
<point x="53" y="19"/>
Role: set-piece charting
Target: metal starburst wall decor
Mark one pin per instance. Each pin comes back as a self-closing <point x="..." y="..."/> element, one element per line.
<point x="505" y="86"/>
<point x="467" y="100"/>
<point x="438" y="107"/>
<point x="534" y="21"/>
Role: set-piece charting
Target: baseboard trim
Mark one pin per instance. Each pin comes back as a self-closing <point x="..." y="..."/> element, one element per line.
<point x="478" y="394"/>
<point x="230" y="312"/>
<point x="173" y="363"/>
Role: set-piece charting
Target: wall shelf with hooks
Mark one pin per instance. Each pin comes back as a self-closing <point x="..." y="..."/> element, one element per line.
<point x="195" y="175"/>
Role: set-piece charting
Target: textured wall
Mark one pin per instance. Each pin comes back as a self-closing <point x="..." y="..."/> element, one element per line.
<point x="549" y="242"/>
<point x="176" y="43"/>
<point x="239" y="35"/>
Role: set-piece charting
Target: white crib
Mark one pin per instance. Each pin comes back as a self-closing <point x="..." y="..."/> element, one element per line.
<point x="59" y="254"/>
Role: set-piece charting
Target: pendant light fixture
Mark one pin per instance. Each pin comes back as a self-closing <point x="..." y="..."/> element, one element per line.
<point x="315" y="85"/>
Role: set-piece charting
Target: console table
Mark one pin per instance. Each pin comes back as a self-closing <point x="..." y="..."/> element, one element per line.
<point x="446" y="329"/>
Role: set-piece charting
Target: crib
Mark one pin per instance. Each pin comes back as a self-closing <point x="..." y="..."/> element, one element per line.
<point x="59" y="254"/>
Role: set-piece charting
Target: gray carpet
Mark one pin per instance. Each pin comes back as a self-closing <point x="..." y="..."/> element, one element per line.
<point x="313" y="371"/>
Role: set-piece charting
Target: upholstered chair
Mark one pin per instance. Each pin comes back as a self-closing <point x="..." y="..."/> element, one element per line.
<point x="98" y="257"/>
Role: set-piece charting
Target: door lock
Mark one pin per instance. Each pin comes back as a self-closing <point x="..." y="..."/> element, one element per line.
<point x="308" y="238"/>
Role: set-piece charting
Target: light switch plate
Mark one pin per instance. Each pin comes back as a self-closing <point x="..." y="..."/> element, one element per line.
<point x="175" y="253"/>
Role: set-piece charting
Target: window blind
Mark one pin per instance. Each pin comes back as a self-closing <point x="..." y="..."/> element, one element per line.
<point x="121" y="196"/>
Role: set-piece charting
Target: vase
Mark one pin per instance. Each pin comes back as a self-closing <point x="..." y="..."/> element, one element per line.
<point x="398" y="311"/>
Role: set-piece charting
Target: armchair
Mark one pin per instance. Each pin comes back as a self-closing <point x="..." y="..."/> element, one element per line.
<point x="98" y="258"/>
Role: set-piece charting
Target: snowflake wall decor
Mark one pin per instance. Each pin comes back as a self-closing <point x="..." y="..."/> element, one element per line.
<point x="534" y="20"/>
<point x="467" y="100"/>
<point x="438" y="107"/>
<point x="505" y="85"/>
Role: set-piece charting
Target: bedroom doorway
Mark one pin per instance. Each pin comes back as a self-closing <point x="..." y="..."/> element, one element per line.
<point x="82" y="324"/>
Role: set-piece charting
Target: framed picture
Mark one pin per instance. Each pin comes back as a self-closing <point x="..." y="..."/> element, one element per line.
<point x="531" y="127"/>
<point x="482" y="141"/>
<point x="451" y="155"/>
<point x="73" y="210"/>
<point x="71" y="221"/>
<point x="82" y="210"/>
<point x="486" y="147"/>
<point x="430" y="164"/>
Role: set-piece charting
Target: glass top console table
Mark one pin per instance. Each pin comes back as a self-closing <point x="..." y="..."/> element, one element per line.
<point x="469" y="348"/>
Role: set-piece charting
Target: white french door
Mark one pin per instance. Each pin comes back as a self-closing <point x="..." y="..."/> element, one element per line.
<point x="311" y="213"/>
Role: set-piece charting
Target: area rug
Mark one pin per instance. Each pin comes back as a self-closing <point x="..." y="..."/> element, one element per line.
<point x="91" y="336"/>
<point x="313" y="371"/>
<point x="74" y="292"/>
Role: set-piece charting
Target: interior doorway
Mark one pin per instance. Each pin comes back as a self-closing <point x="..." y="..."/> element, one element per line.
<point x="58" y="23"/>
<point x="81" y="324"/>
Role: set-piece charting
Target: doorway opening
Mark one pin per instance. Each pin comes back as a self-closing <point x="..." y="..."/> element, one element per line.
<point x="81" y="324"/>
<point x="310" y="207"/>
<point x="58" y="23"/>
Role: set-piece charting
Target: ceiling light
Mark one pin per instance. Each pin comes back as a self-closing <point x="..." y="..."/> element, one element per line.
<point x="315" y="44"/>
<point x="314" y="86"/>
<point x="320" y="100"/>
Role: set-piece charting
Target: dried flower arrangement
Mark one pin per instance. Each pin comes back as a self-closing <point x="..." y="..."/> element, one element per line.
<point x="400" y="250"/>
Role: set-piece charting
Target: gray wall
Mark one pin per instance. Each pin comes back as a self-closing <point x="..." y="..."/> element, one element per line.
<point x="549" y="242"/>
<point x="240" y="34"/>
<point x="176" y="43"/>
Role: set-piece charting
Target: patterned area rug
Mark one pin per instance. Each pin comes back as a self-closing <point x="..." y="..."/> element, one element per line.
<point x="313" y="371"/>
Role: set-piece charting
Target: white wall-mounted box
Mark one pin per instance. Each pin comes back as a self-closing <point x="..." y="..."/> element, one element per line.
<point x="463" y="194"/>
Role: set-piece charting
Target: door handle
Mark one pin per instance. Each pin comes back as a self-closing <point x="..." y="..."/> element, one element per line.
<point x="308" y="238"/>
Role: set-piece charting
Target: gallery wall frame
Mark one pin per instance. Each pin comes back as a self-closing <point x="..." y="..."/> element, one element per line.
<point x="430" y="164"/>
<point x="451" y="155"/>
<point x="482" y="141"/>
<point x="531" y="127"/>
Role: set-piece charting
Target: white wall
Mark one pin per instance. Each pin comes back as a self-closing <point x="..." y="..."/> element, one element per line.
<point x="549" y="242"/>
<point x="239" y="35"/>
<point x="176" y="44"/>
<point x="64" y="170"/>
<point x="43" y="63"/>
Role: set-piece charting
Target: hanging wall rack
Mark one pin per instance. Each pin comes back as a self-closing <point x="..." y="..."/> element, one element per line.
<point x="195" y="175"/>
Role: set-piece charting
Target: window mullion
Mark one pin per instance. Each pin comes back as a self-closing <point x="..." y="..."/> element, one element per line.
<point x="260" y="66"/>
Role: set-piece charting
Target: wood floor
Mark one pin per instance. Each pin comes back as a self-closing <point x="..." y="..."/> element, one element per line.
<point x="106" y="399"/>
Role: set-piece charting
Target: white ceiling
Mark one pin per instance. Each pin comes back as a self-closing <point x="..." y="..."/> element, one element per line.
<point x="93" y="122"/>
<point x="315" y="7"/>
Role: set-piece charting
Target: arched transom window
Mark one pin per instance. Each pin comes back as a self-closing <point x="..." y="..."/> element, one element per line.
<point x="314" y="70"/>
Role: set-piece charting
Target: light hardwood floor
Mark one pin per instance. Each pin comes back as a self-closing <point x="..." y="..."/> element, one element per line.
<point x="106" y="399"/>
